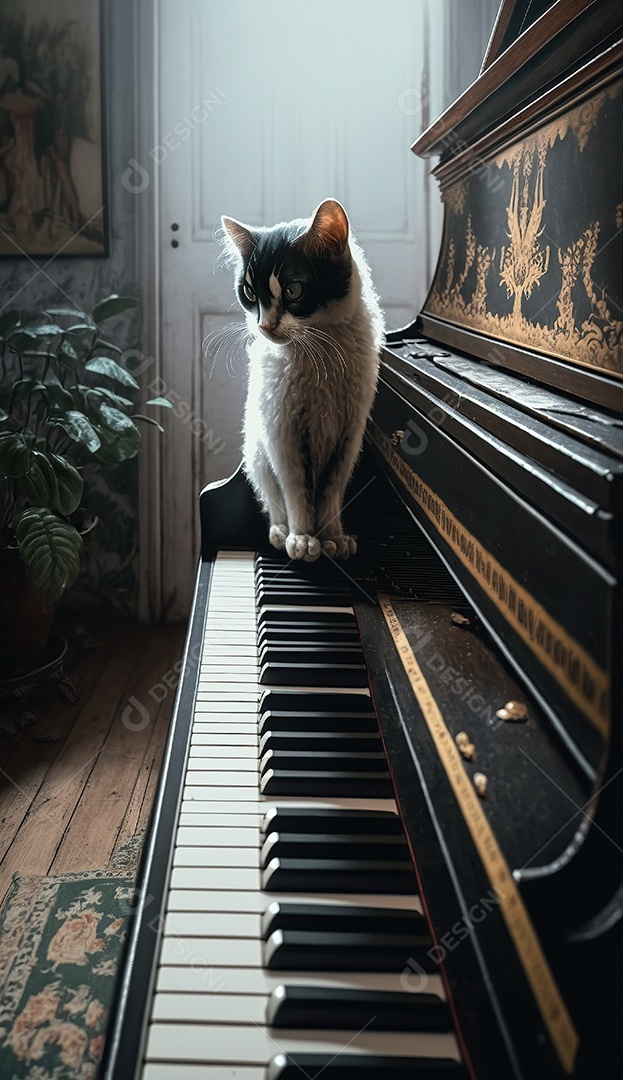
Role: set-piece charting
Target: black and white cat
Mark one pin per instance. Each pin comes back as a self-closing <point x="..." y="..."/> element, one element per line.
<point x="315" y="332"/>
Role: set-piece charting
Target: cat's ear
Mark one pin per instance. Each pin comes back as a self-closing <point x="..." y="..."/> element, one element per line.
<point x="328" y="232"/>
<point x="241" y="236"/>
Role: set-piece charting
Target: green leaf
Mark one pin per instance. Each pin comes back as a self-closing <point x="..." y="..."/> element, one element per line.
<point x="79" y="428"/>
<point x="147" y="420"/>
<point x="115" y="420"/>
<point x="51" y="550"/>
<point x="39" y="483"/>
<point x="3" y="415"/>
<point x="8" y="322"/>
<point x="69" y="484"/>
<point x="118" y="444"/>
<point x="164" y="402"/>
<point x="59" y="396"/>
<point x="21" y="339"/>
<point x="103" y="391"/>
<point x="14" y="456"/>
<point x="105" y="365"/>
<point x="112" y="305"/>
<point x="68" y="350"/>
<point x="46" y="330"/>
<point x="103" y="344"/>
<point x="83" y="321"/>
<point x="23" y="387"/>
<point x="71" y="313"/>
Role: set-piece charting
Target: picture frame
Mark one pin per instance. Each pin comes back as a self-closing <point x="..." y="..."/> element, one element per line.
<point x="53" y="196"/>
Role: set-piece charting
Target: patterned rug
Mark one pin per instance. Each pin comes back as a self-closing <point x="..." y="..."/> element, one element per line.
<point x="61" y="940"/>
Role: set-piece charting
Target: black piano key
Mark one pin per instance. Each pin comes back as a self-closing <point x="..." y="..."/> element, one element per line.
<point x="330" y="1008"/>
<point x="302" y="674"/>
<point x="362" y="1067"/>
<point x="353" y="785"/>
<point x="329" y="703"/>
<point x="312" y="740"/>
<point x="300" y="596"/>
<point x="316" y="654"/>
<point x="293" y="580"/>
<point x="307" y="950"/>
<point x="339" y="876"/>
<point x="284" y="617"/>
<point x="332" y="846"/>
<point x="303" y="721"/>
<point x="345" y="918"/>
<point x="319" y="760"/>
<point x="279" y="635"/>
<point x="306" y="819"/>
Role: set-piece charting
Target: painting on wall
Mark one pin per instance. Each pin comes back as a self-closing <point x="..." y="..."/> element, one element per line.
<point x="52" y="162"/>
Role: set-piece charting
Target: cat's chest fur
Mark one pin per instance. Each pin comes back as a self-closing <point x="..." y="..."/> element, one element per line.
<point x="316" y="400"/>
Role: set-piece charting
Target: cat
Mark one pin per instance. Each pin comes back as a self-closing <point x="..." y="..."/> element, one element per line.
<point x="316" y="329"/>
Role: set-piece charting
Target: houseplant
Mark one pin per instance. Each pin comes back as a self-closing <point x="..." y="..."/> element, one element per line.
<point x="65" y="401"/>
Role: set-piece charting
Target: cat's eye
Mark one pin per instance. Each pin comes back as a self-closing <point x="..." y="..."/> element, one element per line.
<point x="248" y="292"/>
<point x="293" y="291"/>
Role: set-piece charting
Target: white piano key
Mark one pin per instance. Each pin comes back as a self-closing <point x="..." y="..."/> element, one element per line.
<point x="226" y="723"/>
<point x="161" y="1071"/>
<point x="205" y="763"/>
<point x="257" y="902"/>
<point x="210" y="952"/>
<point x="212" y="691"/>
<point x="208" y="747"/>
<point x="218" y="793"/>
<point x="219" y="924"/>
<point x="216" y="856"/>
<point x="222" y="878"/>
<point x="223" y="706"/>
<point x="176" y="979"/>
<point x="202" y="820"/>
<point x="233" y="778"/>
<point x="211" y="1009"/>
<point x="233" y="742"/>
<point x="254" y="1045"/>
<point x="217" y="837"/>
<point x="220" y="677"/>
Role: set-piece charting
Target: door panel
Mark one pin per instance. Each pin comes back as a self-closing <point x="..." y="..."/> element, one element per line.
<point x="265" y="110"/>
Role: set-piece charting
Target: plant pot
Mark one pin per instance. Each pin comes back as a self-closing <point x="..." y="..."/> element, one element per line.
<point x="25" y="622"/>
<point x="41" y="681"/>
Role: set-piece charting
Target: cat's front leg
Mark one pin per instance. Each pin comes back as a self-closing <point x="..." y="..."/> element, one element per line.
<point x="300" y="543"/>
<point x="329" y="500"/>
<point x="260" y="472"/>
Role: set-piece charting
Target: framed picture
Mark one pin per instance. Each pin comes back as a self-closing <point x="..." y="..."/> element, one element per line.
<point x="52" y="164"/>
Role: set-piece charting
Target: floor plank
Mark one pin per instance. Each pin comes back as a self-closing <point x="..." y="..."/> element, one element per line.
<point x="66" y="804"/>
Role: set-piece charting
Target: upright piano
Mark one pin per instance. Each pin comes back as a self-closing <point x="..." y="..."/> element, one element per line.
<point x="388" y="840"/>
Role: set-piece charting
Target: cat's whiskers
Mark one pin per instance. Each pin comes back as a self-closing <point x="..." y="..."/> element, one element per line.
<point x="325" y="344"/>
<point x="231" y="337"/>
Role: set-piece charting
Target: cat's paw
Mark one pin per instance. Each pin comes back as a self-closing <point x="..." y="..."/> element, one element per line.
<point x="340" y="547"/>
<point x="277" y="536"/>
<point x="301" y="546"/>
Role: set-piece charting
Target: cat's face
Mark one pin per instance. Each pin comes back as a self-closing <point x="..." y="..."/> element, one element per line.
<point x="289" y="273"/>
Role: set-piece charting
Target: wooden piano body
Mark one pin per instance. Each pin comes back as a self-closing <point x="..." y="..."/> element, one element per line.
<point x="489" y="509"/>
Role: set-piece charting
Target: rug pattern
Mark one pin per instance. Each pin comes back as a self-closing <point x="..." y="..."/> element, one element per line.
<point x="60" y="944"/>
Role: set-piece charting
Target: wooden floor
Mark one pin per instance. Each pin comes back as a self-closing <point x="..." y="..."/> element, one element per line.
<point x="82" y="781"/>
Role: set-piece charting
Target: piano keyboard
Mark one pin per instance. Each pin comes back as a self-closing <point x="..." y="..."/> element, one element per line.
<point x="292" y="909"/>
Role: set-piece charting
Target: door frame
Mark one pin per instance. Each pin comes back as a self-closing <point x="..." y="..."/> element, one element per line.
<point x="150" y="495"/>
